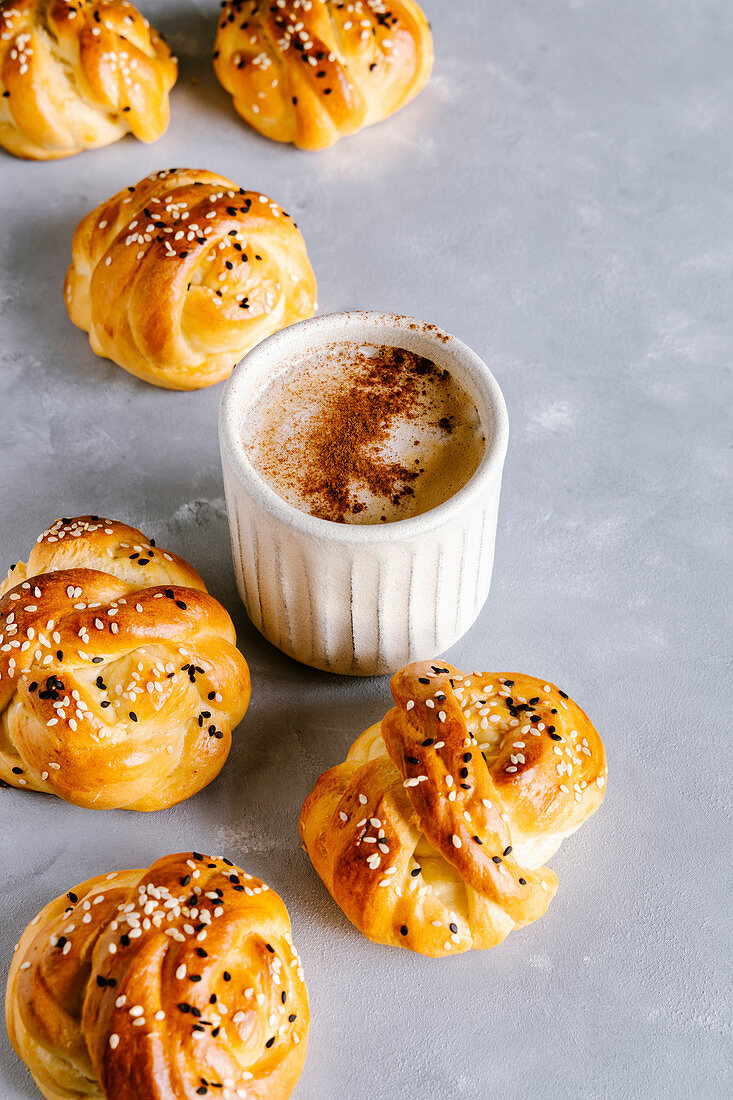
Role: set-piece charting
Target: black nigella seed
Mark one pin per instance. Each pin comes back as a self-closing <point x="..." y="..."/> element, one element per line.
<point x="508" y="850"/>
<point x="454" y="929"/>
<point x="269" y="1042"/>
<point x="556" y="737"/>
<point x="496" y="859"/>
<point x="522" y="882"/>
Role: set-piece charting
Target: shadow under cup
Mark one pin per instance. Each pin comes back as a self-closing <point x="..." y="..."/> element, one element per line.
<point x="361" y="600"/>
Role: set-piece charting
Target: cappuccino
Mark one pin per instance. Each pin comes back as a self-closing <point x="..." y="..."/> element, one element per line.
<point x="364" y="434"/>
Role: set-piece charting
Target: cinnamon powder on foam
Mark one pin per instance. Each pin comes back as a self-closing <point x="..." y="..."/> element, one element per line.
<point x="344" y="450"/>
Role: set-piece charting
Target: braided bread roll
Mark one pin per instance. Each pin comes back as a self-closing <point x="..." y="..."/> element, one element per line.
<point x="176" y="278"/>
<point x="176" y="982"/>
<point x="120" y="679"/>
<point x="77" y="75"/>
<point x="312" y="73"/>
<point x="432" y="833"/>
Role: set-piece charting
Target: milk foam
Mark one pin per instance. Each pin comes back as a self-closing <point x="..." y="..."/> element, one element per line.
<point x="433" y="434"/>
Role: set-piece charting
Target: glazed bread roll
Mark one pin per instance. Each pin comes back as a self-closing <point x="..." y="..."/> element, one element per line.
<point x="120" y="679"/>
<point x="75" y="76"/>
<point x="176" y="982"/>
<point x="311" y="73"/>
<point x="432" y="833"/>
<point x="176" y="278"/>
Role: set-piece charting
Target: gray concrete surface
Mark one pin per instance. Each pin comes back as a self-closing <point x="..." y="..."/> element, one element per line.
<point x="560" y="198"/>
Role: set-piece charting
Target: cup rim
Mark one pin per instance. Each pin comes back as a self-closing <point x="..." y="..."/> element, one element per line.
<point x="426" y="339"/>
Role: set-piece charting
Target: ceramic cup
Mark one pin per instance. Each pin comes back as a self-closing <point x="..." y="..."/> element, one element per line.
<point x="361" y="599"/>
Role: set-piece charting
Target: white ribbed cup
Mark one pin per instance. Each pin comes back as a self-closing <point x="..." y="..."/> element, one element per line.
<point x="361" y="599"/>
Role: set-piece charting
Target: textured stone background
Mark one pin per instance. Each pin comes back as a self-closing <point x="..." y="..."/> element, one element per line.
<point x="560" y="198"/>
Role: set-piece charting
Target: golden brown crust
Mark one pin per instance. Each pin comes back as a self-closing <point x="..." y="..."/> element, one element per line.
<point x="176" y="278"/>
<point x="79" y="75"/>
<point x="151" y="985"/>
<point x="120" y="679"/>
<point x="433" y="832"/>
<point x="309" y="74"/>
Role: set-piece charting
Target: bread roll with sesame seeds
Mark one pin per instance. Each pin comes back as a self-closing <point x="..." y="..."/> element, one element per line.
<point x="120" y="679"/>
<point x="176" y="278"/>
<point x="311" y="71"/>
<point x="78" y="74"/>
<point x="432" y="833"/>
<point x="163" y="984"/>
